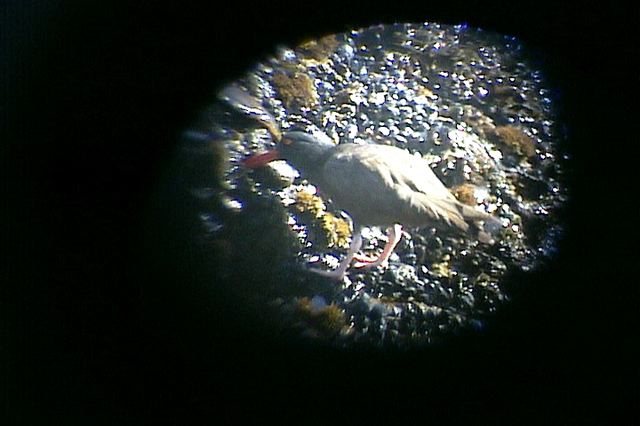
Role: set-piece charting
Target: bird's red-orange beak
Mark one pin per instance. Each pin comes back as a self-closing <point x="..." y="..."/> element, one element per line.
<point x="260" y="160"/>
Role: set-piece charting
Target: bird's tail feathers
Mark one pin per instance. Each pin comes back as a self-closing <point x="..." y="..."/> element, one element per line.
<point x="488" y="227"/>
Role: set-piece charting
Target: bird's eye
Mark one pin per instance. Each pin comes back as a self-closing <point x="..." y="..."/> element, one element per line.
<point x="286" y="141"/>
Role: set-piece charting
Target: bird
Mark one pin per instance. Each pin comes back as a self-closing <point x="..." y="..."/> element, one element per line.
<point x="376" y="185"/>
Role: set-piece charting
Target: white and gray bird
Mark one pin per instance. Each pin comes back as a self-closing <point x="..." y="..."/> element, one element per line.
<point x="377" y="185"/>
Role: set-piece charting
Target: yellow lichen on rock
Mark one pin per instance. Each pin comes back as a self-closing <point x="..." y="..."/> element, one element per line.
<point x="516" y="140"/>
<point x="297" y="88"/>
<point x="424" y="91"/>
<point x="336" y="230"/>
<point x="327" y="320"/>
<point x="465" y="193"/>
<point x="319" y="49"/>
<point x="307" y="202"/>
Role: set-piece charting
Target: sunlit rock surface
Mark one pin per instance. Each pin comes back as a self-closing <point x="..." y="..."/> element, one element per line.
<point x="471" y="103"/>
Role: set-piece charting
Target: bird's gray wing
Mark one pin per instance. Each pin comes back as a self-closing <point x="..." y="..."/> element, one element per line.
<point x="389" y="184"/>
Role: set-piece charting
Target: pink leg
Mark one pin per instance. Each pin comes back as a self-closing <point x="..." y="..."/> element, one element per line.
<point x="338" y="274"/>
<point x="394" y="234"/>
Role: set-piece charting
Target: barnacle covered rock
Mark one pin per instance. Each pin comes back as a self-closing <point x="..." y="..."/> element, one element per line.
<point x="467" y="101"/>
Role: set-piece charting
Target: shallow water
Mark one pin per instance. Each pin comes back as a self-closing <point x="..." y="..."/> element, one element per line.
<point x="470" y="102"/>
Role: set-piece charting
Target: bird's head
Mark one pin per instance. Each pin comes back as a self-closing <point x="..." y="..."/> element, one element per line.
<point x="302" y="150"/>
